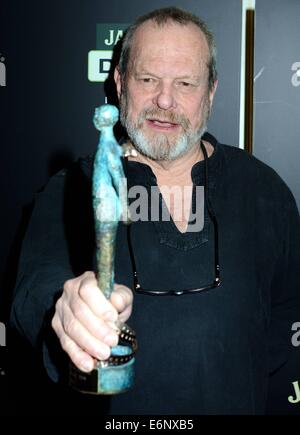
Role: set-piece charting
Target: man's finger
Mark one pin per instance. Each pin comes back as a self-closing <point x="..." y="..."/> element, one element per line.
<point x="96" y="300"/>
<point x="121" y="297"/>
<point x="97" y="327"/>
<point x="82" y="337"/>
<point x="79" y="357"/>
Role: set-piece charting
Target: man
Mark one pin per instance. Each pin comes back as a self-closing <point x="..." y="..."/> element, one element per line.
<point x="207" y="352"/>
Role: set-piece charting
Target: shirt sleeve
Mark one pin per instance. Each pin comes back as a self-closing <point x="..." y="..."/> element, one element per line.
<point x="285" y="288"/>
<point x="54" y="250"/>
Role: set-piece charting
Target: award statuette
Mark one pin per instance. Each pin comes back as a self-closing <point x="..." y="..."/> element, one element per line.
<point x="116" y="374"/>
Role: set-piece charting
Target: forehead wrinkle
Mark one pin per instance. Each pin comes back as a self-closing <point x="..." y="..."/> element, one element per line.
<point x="166" y="37"/>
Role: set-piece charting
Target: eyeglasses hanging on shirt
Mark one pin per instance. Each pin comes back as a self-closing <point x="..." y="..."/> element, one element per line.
<point x="217" y="280"/>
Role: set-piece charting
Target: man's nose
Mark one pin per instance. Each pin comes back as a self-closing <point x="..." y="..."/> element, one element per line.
<point x="165" y="97"/>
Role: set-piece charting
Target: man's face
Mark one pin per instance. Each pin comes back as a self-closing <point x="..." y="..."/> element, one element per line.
<point x="165" y="101"/>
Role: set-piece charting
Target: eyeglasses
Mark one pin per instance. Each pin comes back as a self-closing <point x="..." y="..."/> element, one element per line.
<point x="217" y="280"/>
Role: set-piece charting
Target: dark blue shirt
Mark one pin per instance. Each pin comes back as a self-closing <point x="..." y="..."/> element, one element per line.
<point x="207" y="353"/>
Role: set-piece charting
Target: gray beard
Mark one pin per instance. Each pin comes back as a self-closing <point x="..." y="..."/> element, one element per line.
<point x="160" y="147"/>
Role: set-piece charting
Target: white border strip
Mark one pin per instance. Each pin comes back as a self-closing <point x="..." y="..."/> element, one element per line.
<point x="246" y="5"/>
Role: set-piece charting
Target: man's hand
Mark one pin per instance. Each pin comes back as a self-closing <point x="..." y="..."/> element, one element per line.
<point x="84" y="319"/>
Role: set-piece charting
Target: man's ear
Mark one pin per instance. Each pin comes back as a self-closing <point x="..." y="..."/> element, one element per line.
<point x="118" y="81"/>
<point x="212" y="93"/>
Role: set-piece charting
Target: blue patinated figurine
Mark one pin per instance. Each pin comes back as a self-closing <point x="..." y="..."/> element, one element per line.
<point x="109" y="194"/>
<point x="110" y="204"/>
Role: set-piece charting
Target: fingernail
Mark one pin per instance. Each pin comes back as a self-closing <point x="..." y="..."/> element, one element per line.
<point x="86" y="366"/>
<point x="111" y="339"/>
<point x="102" y="355"/>
<point x="114" y="327"/>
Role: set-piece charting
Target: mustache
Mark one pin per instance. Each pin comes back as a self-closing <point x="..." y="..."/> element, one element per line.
<point x="163" y="116"/>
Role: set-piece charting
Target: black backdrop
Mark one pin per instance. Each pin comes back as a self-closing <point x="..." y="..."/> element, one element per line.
<point x="48" y="102"/>
<point x="277" y="133"/>
<point x="46" y="122"/>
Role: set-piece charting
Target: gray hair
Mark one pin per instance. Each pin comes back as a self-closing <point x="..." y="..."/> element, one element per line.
<point x="161" y="17"/>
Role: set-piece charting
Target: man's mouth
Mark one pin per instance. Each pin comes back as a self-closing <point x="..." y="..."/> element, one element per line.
<point x="161" y="124"/>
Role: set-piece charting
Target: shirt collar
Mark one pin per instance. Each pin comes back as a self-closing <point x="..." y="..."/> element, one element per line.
<point x="141" y="173"/>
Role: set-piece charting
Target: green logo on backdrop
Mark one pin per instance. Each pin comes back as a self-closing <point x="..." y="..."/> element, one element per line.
<point x="295" y="399"/>
<point x="99" y="60"/>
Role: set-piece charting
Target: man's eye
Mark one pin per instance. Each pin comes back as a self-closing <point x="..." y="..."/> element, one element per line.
<point x="147" y="80"/>
<point x="186" y="84"/>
